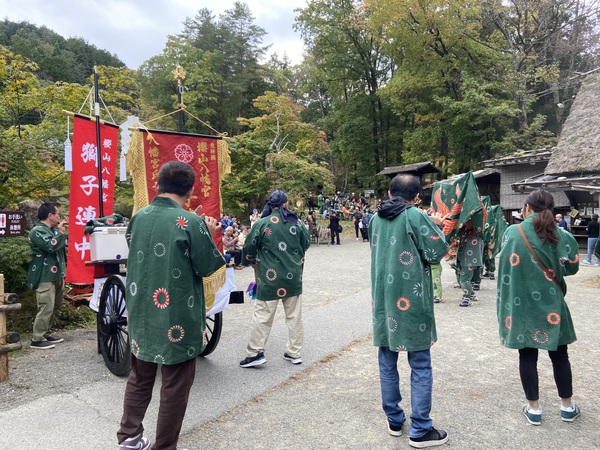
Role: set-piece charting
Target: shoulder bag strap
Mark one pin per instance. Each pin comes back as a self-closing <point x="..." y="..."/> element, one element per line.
<point x="550" y="275"/>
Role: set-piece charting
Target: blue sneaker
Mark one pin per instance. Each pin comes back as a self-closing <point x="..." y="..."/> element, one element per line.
<point x="251" y="361"/>
<point x="569" y="415"/>
<point x="534" y="418"/>
<point x="586" y="262"/>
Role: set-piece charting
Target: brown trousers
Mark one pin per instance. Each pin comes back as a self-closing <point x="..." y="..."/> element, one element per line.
<point x="177" y="381"/>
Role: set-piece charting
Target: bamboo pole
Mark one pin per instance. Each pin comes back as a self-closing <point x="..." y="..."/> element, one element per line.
<point x="7" y="303"/>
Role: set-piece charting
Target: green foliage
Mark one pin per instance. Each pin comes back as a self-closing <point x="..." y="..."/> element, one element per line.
<point x="123" y="203"/>
<point x="59" y="59"/>
<point x="14" y="261"/>
<point x="349" y="63"/>
<point x="223" y="74"/>
<point x="279" y="152"/>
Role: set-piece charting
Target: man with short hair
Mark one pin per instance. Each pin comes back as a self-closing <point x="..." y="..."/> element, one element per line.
<point x="561" y="222"/>
<point x="171" y="250"/>
<point x="275" y="247"/>
<point x="405" y="242"/>
<point x="48" y="240"/>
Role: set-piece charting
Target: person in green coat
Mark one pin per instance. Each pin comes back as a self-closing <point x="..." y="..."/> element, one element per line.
<point x="275" y="247"/>
<point x="48" y="241"/>
<point x="405" y="242"/>
<point x="535" y="257"/>
<point x="171" y="250"/>
<point x="469" y="258"/>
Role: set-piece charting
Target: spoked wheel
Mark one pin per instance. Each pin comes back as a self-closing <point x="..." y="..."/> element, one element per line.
<point x="214" y="325"/>
<point x="113" y="338"/>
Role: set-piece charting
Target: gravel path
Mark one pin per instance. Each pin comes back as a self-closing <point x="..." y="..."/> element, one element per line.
<point x="332" y="400"/>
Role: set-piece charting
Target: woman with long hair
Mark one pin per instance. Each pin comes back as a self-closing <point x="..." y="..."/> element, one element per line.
<point x="536" y="255"/>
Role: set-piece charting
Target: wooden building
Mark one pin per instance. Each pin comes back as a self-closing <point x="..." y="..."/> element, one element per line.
<point x="420" y="170"/>
<point x="518" y="166"/>
<point x="426" y="172"/>
<point x="573" y="170"/>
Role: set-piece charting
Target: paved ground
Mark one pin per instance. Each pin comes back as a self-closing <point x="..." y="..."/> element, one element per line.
<point x="67" y="399"/>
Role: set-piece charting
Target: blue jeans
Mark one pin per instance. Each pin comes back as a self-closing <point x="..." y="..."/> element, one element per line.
<point x="591" y="244"/>
<point x="421" y="384"/>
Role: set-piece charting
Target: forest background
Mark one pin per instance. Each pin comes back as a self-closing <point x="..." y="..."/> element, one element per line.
<point x="382" y="83"/>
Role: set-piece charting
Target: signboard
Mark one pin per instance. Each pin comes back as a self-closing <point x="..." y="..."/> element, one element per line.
<point x="12" y="223"/>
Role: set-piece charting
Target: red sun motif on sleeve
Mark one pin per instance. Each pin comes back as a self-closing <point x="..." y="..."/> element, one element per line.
<point x="268" y="231"/>
<point x="182" y="222"/>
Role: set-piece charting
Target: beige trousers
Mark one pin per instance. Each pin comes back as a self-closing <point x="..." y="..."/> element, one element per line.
<point x="262" y="321"/>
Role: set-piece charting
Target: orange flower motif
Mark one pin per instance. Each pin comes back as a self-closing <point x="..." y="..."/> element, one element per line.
<point x="553" y="318"/>
<point x="508" y="322"/>
<point x="403" y="304"/>
<point x="514" y="259"/>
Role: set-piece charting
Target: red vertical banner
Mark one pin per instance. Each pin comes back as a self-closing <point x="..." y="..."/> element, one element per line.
<point x="84" y="195"/>
<point x="201" y="153"/>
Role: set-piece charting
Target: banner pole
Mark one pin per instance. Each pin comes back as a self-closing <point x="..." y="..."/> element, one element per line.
<point x="179" y="75"/>
<point x="98" y="142"/>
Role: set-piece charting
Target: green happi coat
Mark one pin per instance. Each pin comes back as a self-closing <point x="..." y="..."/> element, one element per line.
<point x="48" y="262"/>
<point x="170" y="250"/>
<point x="531" y="308"/>
<point x="470" y="249"/>
<point x="278" y="249"/>
<point x="402" y="250"/>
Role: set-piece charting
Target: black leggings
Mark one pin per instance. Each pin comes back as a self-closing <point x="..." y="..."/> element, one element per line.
<point x="562" y="372"/>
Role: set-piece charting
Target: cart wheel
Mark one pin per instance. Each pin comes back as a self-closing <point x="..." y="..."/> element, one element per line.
<point x="113" y="337"/>
<point x="214" y="325"/>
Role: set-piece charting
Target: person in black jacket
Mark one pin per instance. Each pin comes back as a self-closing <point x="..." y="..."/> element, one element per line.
<point x="334" y="226"/>
<point x="593" y="229"/>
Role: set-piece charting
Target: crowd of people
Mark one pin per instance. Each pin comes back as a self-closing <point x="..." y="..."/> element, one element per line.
<point x="174" y="250"/>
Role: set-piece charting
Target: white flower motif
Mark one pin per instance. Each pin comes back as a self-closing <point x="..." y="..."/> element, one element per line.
<point x="418" y="290"/>
<point x="430" y="254"/>
<point x="282" y="246"/>
<point x="160" y="249"/>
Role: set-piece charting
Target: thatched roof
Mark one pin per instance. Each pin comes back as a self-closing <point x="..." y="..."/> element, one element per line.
<point x="415" y="169"/>
<point x="578" y="149"/>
